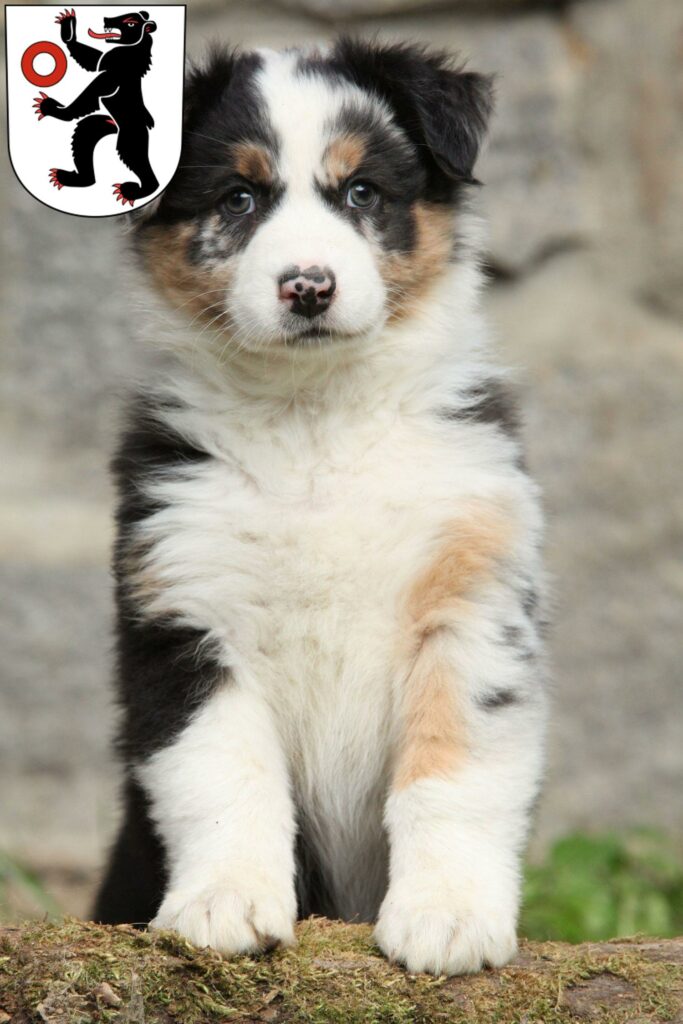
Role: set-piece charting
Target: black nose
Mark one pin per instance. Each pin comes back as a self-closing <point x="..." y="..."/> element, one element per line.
<point x="307" y="292"/>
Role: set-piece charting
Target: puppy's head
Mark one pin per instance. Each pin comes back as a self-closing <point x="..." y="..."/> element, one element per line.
<point x="316" y="196"/>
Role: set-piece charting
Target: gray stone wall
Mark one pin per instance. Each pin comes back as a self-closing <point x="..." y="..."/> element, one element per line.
<point x="584" y="190"/>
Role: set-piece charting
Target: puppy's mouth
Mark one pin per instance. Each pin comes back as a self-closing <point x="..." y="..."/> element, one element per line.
<point x="316" y="335"/>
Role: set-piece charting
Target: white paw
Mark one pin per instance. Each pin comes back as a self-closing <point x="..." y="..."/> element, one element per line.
<point x="435" y="932"/>
<point x="245" y="914"/>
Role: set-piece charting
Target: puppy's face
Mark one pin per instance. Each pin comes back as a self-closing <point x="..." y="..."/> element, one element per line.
<point x="316" y="196"/>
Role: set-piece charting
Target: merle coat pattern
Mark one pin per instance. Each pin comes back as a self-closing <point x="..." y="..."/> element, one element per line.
<point x="327" y="564"/>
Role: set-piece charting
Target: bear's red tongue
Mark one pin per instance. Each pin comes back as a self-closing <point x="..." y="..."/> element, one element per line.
<point x="111" y="34"/>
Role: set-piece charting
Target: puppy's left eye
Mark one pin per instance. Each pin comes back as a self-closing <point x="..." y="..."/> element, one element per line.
<point x="240" y="202"/>
<point x="362" y="195"/>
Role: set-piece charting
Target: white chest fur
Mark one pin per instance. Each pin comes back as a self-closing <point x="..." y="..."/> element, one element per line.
<point x="293" y="546"/>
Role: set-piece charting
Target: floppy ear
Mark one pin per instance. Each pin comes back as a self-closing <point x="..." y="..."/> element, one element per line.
<point x="440" y="105"/>
<point x="206" y="82"/>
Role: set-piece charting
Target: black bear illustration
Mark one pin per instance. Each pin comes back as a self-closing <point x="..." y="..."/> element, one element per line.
<point x="117" y="88"/>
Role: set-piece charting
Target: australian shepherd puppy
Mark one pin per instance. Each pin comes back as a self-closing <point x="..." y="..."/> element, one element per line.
<point x="327" y="563"/>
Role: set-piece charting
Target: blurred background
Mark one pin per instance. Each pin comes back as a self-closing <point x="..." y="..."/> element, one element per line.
<point x="584" y="192"/>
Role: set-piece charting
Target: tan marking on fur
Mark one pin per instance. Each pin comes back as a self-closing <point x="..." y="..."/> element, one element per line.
<point x="253" y="162"/>
<point x="433" y="741"/>
<point x="470" y="548"/>
<point x="343" y="157"/>
<point x="408" y="275"/>
<point x="196" y="291"/>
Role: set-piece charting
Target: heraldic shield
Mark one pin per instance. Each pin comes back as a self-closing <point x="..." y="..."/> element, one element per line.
<point x="95" y="103"/>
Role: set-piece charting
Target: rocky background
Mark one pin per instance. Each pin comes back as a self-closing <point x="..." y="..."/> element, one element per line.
<point x="584" y="189"/>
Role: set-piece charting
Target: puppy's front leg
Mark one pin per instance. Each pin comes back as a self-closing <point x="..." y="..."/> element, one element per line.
<point x="467" y="766"/>
<point x="457" y="819"/>
<point x="221" y="803"/>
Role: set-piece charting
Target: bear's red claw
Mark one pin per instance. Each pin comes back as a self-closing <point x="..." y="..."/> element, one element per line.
<point x="37" y="104"/>
<point x="119" y="195"/>
<point x="54" y="171"/>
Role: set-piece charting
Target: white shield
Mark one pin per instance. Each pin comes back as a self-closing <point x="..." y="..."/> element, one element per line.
<point x="95" y="99"/>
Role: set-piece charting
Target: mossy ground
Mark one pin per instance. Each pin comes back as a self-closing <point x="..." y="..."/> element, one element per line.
<point x="73" y="973"/>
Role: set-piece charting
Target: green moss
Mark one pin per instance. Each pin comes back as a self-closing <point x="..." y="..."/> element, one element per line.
<point x="589" y="887"/>
<point x="335" y="975"/>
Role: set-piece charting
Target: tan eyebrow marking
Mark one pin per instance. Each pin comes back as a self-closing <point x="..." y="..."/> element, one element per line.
<point x="253" y="162"/>
<point x="343" y="157"/>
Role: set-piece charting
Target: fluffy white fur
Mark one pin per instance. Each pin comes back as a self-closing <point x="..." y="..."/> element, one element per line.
<point x="331" y="481"/>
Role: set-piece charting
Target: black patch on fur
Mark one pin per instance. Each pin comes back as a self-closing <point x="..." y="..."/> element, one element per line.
<point x="222" y="234"/>
<point x="515" y="638"/>
<point x="443" y="109"/>
<point x="535" y="612"/>
<point x="499" y="699"/>
<point x="147" y="447"/>
<point x="222" y="108"/>
<point x="392" y="165"/>
<point x="530" y="601"/>
<point x="135" y="879"/>
<point x="492" y="402"/>
<point x="164" y="671"/>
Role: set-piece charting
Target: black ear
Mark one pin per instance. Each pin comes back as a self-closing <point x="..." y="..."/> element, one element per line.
<point x="205" y="83"/>
<point x="440" y="105"/>
<point x="145" y="15"/>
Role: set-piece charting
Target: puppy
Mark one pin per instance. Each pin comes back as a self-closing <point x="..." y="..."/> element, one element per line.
<point x="327" y="567"/>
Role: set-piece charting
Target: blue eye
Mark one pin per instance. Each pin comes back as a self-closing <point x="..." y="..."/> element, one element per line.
<point x="361" y="195"/>
<point x="240" y="202"/>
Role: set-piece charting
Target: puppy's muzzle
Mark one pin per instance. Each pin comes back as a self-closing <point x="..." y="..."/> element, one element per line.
<point x="308" y="292"/>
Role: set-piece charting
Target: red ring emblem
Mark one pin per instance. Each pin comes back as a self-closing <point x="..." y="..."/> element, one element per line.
<point x="33" y="51"/>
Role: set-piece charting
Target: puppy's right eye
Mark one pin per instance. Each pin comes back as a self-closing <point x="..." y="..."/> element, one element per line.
<point x="361" y="195"/>
<point x="239" y="202"/>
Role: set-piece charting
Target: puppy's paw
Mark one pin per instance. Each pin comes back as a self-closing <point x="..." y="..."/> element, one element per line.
<point x="435" y="932"/>
<point x="233" y="914"/>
